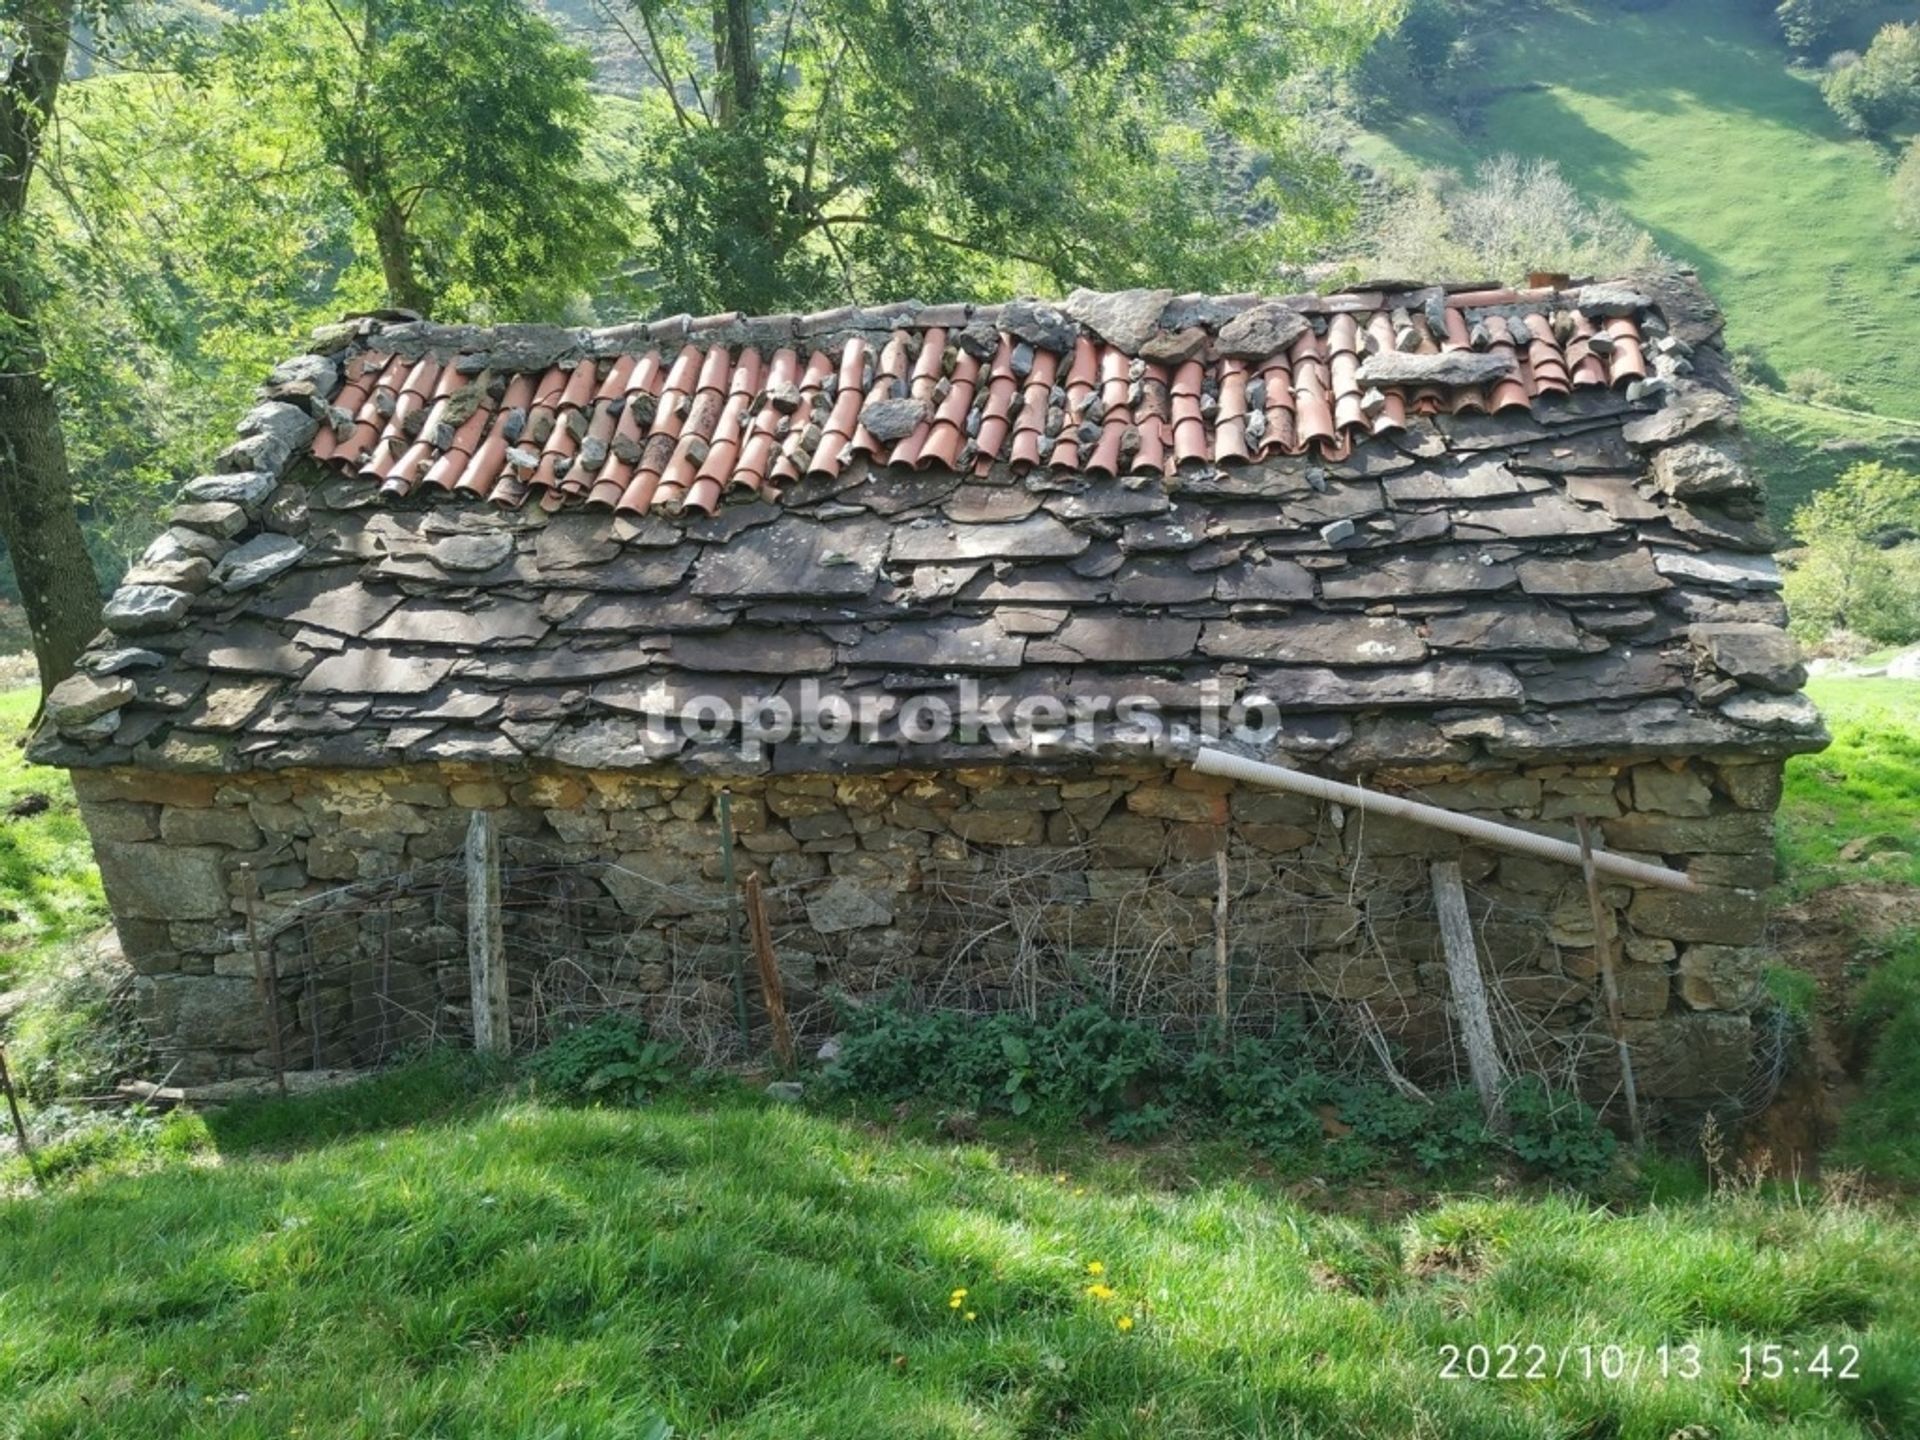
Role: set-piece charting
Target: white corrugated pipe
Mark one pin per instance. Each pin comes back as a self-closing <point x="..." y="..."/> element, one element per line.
<point x="1489" y="832"/>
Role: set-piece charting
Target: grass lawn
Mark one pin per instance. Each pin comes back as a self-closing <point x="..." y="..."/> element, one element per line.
<point x="730" y="1267"/>
<point x="1783" y="446"/>
<point x="49" y="889"/>
<point x="1865" y="786"/>
<point x="1687" y="118"/>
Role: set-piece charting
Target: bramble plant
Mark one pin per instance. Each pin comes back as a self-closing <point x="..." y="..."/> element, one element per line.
<point x="609" y="1059"/>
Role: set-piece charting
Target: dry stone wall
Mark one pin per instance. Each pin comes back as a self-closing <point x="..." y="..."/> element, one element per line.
<point x="980" y="887"/>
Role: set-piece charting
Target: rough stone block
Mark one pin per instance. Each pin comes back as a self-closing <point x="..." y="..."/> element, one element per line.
<point x="200" y="1012"/>
<point x="1704" y="1055"/>
<point x="1752" y="787"/>
<point x="1731" y="834"/>
<point x="230" y="826"/>
<point x="1644" y="990"/>
<point x="1163" y="802"/>
<point x="1733" y="917"/>
<point x="1670" y="792"/>
<point x="1129" y="840"/>
<point x="120" y="820"/>
<point x="156" y="881"/>
<point x="1722" y="977"/>
<point x="998" y="827"/>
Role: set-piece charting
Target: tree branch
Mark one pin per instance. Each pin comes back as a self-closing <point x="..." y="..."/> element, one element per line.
<point x="938" y="237"/>
<point x="655" y="61"/>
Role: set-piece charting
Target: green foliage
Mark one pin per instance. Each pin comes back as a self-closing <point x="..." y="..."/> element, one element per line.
<point x="1859" y="789"/>
<point x="1859" y="565"/>
<point x="97" y="1143"/>
<point x="1285" y="1094"/>
<point x="841" y="150"/>
<point x="1557" y="1134"/>
<point x="1904" y="188"/>
<point x="455" y="134"/>
<point x="1881" y="1128"/>
<point x="1809" y="25"/>
<point x="610" y="1059"/>
<point x="1512" y="217"/>
<point x="1880" y="92"/>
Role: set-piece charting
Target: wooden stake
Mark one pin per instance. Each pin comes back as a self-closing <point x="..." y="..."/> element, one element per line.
<point x="733" y="916"/>
<point x="1220" y="974"/>
<point x="1610" y="985"/>
<point x="486" y="941"/>
<point x="19" y="1125"/>
<point x="265" y="975"/>
<point x="772" y="992"/>
<point x="1469" y="990"/>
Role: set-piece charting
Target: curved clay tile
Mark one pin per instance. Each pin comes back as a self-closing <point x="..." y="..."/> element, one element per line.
<point x="614" y="387"/>
<point x="1343" y="335"/>
<point x="1105" y="460"/>
<point x="452" y="464"/>
<point x="1458" y="337"/>
<point x="1627" y="361"/>
<point x="1029" y="425"/>
<point x="843" y="421"/>
<point x="1544" y="357"/>
<point x="1230" y="420"/>
<point x="1393" y="413"/>
<point x="1584" y="367"/>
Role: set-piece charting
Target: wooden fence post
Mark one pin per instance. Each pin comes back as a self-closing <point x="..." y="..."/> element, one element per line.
<point x="1469" y="990"/>
<point x="486" y="942"/>
<point x="725" y="807"/>
<point x="1610" y="985"/>
<point x="1221" y="975"/>
<point x="772" y="992"/>
<point x="19" y="1125"/>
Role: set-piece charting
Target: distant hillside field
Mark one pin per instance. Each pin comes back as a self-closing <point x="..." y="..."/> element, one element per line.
<point x="1687" y="118"/>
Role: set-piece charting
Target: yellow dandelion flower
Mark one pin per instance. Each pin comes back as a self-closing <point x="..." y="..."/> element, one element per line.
<point x="959" y="1294"/>
<point x="1060" y="1179"/>
<point x="954" y="1303"/>
<point x="970" y="1317"/>
<point x="1094" y="1267"/>
<point x="1100" y="1292"/>
<point x="1079" y="1189"/>
<point x="1125" y="1323"/>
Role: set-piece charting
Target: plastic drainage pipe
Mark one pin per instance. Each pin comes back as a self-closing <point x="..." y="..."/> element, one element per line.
<point x="1489" y="832"/>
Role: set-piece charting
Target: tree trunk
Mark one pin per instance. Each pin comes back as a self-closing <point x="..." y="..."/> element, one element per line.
<point x="57" y="583"/>
<point x="404" y="290"/>
<point x="733" y="58"/>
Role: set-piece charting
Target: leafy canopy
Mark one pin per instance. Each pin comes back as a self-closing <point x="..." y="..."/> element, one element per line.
<point x="1859" y="569"/>
<point x="457" y="133"/>
<point x="803" y="154"/>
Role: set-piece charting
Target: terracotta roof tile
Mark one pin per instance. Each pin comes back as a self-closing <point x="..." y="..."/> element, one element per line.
<point x="681" y="422"/>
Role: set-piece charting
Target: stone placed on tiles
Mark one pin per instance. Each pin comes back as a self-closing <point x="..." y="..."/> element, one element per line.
<point x="1614" y="675"/>
<point x="1039" y="325"/>
<point x="1477" y="480"/>
<point x="1728" y="569"/>
<point x="746" y="648"/>
<point x="1163" y="580"/>
<point x="190" y="574"/>
<point x="126" y="657"/>
<point x="889" y="421"/>
<point x="1448" y="367"/>
<point x="226" y="705"/>
<point x="1697" y="470"/>
<point x="1763" y="656"/>
<point x="248" y="488"/>
<point x="81" y="698"/>
<point x="145" y="609"/>
<point x="1127" y="319"/>
<point x="1608" y="300"/>
<point x="1264" y="331"/>
<point x="288" y="426"/>
<point x="257" y="561"/>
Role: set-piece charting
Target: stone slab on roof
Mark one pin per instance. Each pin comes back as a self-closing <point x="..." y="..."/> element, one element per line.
<point x="1497" y="567"/>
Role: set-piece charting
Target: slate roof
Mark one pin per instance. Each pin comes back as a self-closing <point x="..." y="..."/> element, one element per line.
<point x="1440" y="573"/>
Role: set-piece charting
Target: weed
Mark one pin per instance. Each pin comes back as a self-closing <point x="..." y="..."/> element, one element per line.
<point x="610" y="1059"/>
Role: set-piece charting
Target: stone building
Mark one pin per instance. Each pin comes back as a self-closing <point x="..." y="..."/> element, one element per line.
<point x="940" y="597"/>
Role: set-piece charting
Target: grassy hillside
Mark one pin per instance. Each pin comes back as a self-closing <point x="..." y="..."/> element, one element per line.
<point x="1687" y="118"/>
<point x="733" y="1268"/>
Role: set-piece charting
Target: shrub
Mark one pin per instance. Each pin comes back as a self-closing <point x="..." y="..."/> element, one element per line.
<point x="1808" y="25"/>
<point x="1882" y="91"/>
<point x="1285" y="1093"/>
<point x="1859" y="565"/>
<point x="1817" y="385"/>
<point x="609" y="1059"/>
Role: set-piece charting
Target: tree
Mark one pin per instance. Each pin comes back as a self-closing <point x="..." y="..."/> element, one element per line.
<point x="1808" y="25"/>
<point x="457" y="134"/>
<point x="1881" y="91"/>
<point x="1513" y="217"/>
<point x="1859" y="568"/>
<point x="57" y="585"/>
<point x="832" y="150"/>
